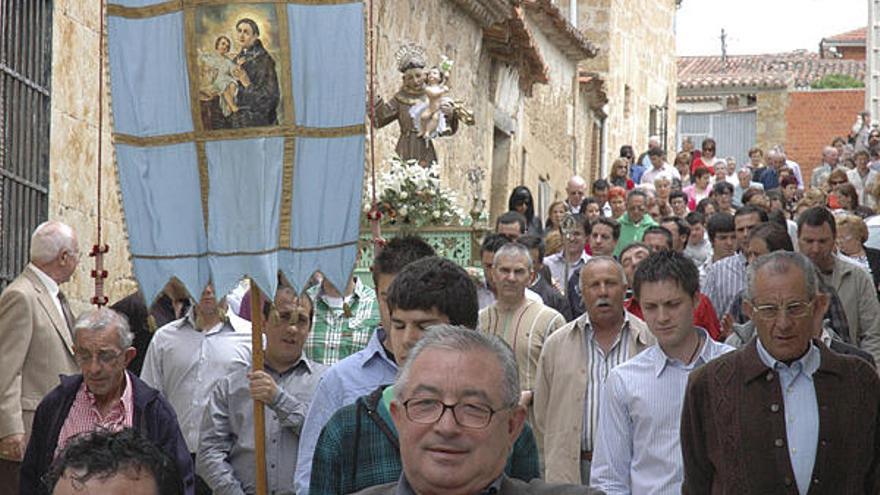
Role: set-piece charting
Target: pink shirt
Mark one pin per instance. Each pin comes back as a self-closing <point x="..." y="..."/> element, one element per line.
<point x="84" y="416"/>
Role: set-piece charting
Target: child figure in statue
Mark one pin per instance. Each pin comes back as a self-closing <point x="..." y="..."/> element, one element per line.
<point x="431" y="121"/>
<point x="216" y="75"/>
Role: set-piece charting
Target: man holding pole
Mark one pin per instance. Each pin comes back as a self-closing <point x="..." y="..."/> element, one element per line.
<point x="227" y="453"/>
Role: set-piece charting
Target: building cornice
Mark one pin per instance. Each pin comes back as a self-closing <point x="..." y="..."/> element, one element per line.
<point x="559" y="30"/>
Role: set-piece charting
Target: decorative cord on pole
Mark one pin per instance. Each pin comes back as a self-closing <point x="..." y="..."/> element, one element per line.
<point x="99" y="249"/>
<point x="374" y="215"/>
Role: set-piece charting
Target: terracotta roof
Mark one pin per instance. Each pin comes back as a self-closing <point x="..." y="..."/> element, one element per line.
<point x="854" y="37"/>
<point x="486" y="12"/>
<point x="799" y="68"/>
<point x="559" y="30"/>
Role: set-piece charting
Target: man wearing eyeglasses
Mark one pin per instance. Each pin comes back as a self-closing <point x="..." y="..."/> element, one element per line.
<point x="226" y="456"/>
<point x="35" y="339"/>
<point x="784" y="414"/>
<point x="104" y="396"/>
<point x="456" y="409"/>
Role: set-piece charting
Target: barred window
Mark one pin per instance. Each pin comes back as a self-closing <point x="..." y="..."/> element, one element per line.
<point x="25" y="75"/>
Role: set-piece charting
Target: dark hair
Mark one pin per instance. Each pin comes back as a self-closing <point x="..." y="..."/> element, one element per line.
<point x="774" y="235"/>
<point x="816" y="217"/>
<point x="656" y="229"/>
<point x="720" y="223"/>
<point x="722" y="187"/>
<point x="626" y="151"/>
<point x="587" y="202"/>
<point x="701" y="205"/>
<point x="667" y="265"/>
<point x="850" y="191"/>
<point x="656" y="152"/>
<point x="512" y="217"/>
<point x="678" y="194"/>
<point x="610" y="222"/>
<point x="533" y="242"/>
<point x="102" y="454"/>
<point x="519" y="195"/>
<point x="684" y="228"/>
<point x="694" y="218"/>
<point x="436" y="283"/>
<point x="493" y="242"/>
<point x="838" y="139"/>
<point x="787" y="181"/>
<point x="221" y="37"/>
<point x="399" y="252"/>
<point x="633" y="245"/>
<point x="749" y="194"/>
<point x="708" y="144"/>
<point x="701" y="171"/>
<point x="251" y="23"/>
<point x="751" y="210"/>
<point x="599" y="185"/>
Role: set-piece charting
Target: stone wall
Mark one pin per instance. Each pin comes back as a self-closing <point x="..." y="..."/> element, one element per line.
<point x="73" y="152"/>
<point x="770" y="118"/>
<point x="636" y="40"/>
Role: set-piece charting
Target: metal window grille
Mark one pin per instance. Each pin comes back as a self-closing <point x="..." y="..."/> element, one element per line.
<point x="658" y="121"/>
<point x="25" y="75"/>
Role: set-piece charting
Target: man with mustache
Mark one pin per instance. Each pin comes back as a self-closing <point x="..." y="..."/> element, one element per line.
<point x="286" y="385"/>
<point x="573" y="366"/>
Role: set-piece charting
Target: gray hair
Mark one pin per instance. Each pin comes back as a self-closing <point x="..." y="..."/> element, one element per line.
<point x="102" y="318"/>
<point x="49" y="240"/>
<point x="636" y="192"/>
<point x="779" y="263"/>
<point x="462" y="339"/>
<point x="513" y="249"/>
<point x="605" y="259"/>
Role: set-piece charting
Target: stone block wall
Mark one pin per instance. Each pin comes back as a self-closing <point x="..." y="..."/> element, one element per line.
<point x="73" y="152"/>
<point x="815" y="118"/>
<point x="770" y="118"/>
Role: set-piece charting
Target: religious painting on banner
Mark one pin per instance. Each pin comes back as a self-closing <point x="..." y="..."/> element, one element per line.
<point x="240" y="149"/>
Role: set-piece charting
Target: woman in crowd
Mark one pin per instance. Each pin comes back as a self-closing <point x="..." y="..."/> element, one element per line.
<point x="700" y="189"/>
<point x="590" y="208"/>
<point x="707" y="207"/>
<point x="617" y="201"/>
<point x="554" y="216"/>
<point x="852" y="233"/>
<point x="847" y="198"/>
<point x="789" y="189"/>
<point x="620" y="174"/>
<point x="520" y="201"/>
<point x="707" y="158"/>
<point x="682" y="163"/>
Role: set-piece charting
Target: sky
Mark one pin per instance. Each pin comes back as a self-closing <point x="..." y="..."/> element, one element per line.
<point x="763" y="26"/>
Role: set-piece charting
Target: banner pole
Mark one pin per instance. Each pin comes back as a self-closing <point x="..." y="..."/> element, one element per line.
<point x="259" y="417"/>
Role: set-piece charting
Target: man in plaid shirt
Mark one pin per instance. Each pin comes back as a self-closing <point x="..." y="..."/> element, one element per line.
<point x="343" y="324"/>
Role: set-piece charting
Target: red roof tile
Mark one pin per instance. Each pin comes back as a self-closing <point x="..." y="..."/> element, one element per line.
<point x="855" y="36"/>
<point x="799" y="68"/>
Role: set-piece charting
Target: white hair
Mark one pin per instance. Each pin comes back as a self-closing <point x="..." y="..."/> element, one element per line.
<point x="49" y="240"/>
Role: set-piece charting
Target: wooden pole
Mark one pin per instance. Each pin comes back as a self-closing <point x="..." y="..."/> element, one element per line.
<point x="259" y="418"/>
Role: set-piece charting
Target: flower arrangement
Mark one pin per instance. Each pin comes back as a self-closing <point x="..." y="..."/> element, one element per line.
<point x="410" y="195"/>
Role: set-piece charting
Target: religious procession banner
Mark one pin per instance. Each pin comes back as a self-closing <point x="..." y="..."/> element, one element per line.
<point x="239" y="137"/>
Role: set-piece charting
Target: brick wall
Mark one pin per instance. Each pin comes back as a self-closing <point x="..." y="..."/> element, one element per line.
<point x="814" y="118"/>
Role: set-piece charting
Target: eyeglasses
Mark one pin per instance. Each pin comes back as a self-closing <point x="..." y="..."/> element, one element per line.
<point x="837" y="182"/>
<point x="769" y="312"/>
<point x="465" y="414"/>
<point x="104" y="357"/>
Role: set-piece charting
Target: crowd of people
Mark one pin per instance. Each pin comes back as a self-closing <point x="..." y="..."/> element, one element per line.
<point x="700" y="327"/>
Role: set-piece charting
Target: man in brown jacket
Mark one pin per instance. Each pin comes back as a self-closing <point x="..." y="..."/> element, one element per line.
<point x="784" y="414"/>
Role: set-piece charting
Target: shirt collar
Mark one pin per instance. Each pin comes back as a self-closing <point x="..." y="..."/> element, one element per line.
<point x="807" y="364"/>
<point x="47" y="281"/>
<point x="375" y="349"/>
<point x="303" y="361"/>
<point x="704" y="355"/>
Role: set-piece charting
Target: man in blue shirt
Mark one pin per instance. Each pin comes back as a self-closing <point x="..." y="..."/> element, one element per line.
<point x="363" y="371"/>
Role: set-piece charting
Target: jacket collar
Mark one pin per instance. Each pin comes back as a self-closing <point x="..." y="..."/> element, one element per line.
<point x="141" y="392"/>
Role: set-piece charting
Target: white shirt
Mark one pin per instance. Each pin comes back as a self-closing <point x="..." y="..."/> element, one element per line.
<point x="51" y="288"/>
<point x="556" y="263"/>
<point x="185" y="364"/>
<point x="652" y="173"/>
<point x="637" y="447"/>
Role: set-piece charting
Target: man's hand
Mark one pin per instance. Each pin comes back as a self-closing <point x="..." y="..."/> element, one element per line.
<point x="263" y="387"/>
<point x="242" y="76"/>
<point x="12" y="447"/>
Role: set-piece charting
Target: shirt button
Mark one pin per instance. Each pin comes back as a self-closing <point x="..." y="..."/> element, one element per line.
<point x="769" y="376"/>
<point x="815" y="481"/>
<point x="823" y="443"/>
<point x="787" y="481"/>
<point x="779" y="442"/>
<point x="774" y="407"/>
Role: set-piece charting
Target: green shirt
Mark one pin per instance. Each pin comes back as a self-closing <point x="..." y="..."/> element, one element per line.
<point x="632" y="232"/>
<point x="338" y="332"/>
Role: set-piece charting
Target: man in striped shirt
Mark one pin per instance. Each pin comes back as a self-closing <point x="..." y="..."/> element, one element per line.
<point x="637" y="448"/>
<point x="573" y="367"/>
<point x="521" y="322"/>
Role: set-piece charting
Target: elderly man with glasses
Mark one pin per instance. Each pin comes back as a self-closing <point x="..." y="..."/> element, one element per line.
<point x="104" y="396"/>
